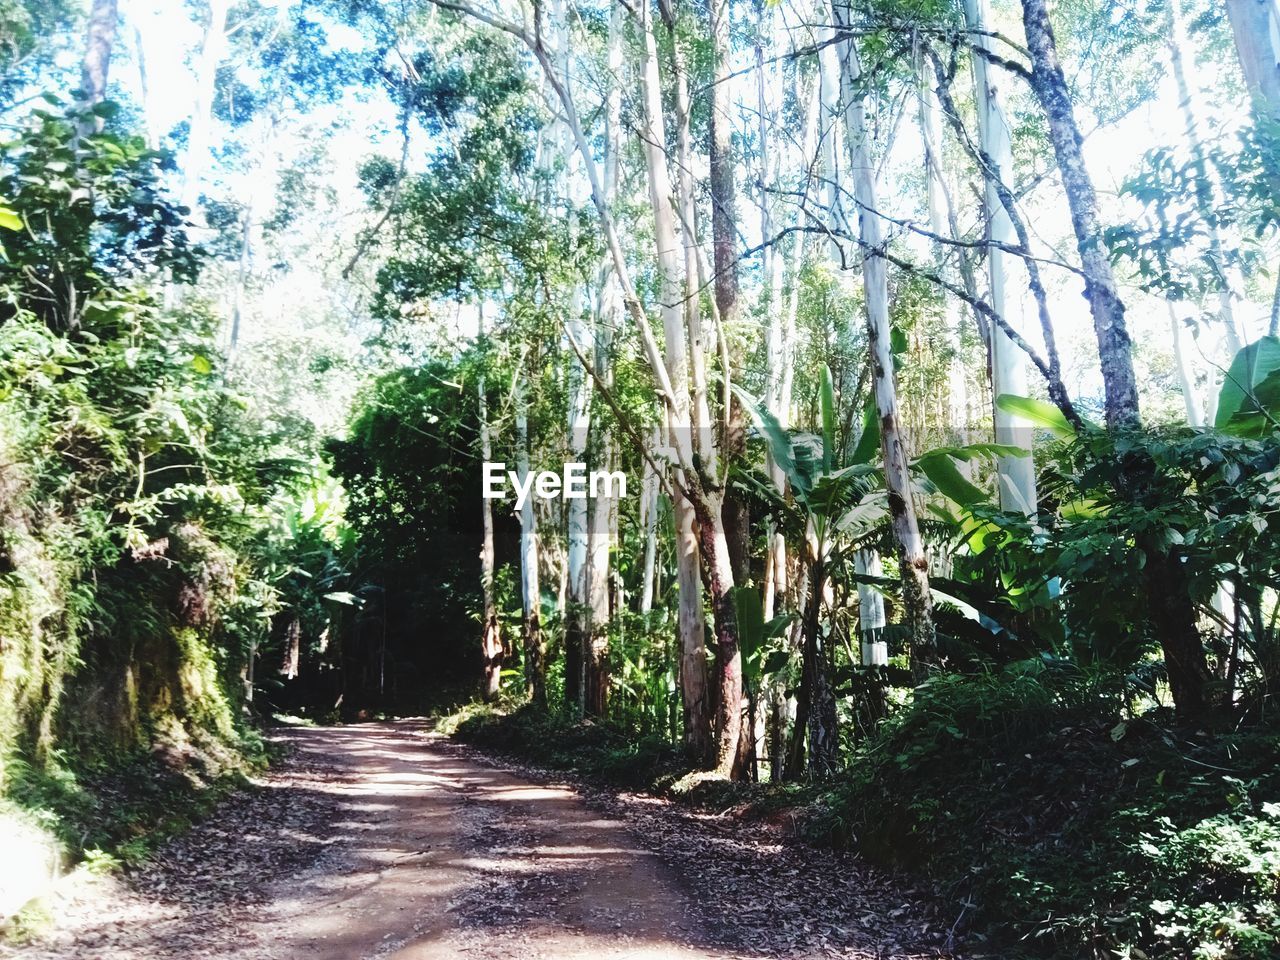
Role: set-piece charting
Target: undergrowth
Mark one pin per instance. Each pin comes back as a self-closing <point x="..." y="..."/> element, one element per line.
<point x="1057" y="823"/>
<point x="113" y="808"/>
<point x="1062" y="828"/>
<point x="604" y="754"/>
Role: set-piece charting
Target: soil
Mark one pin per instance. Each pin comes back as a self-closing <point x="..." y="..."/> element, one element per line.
<point x="385" y="840"/>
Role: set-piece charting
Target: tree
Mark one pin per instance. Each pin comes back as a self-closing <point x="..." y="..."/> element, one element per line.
<point x="99" y="41"/>
<point x="913" y="564"/>
<point x="1172" y="611"/>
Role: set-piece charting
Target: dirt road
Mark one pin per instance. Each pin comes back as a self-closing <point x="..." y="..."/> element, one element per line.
<point x="383" y="841"/>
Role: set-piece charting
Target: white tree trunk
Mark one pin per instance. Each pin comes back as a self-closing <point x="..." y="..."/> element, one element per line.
<point x="490" y="635"/>
<point x="1231" y="282"/>
<point x="530" y="592"/>
<point x="649" y="522"/>
<point x="917" y="601"/>
<point x="1016" y="475"/>
<point x="871" y="619"/>
<point x="196" y="157"/>
<point x="1186" y="374"/>
<point x="693" y="658"/>
<point x="932" y="136"/>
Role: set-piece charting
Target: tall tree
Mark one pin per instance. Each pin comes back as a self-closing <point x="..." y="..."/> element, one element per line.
<point x="1172" y="611"/>
<point x="912" y="561"/>
<point x="1255" y="24"/>
<point x="1017" y="477"/>
<point x="532" y="642"/>
<point x="100" y="38"/>
<point x="491" y="648"/>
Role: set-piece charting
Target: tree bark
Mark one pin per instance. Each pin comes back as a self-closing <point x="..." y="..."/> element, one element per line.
<point x="532" y="643"/>
<point x="1254" y="26"/>
<point x="824" y="742"/>
<point x="1173" y="614"/>
<point x="914" y="565"/>
<point x="726" y="533"/>
<point x="490" y="633"/>
<point x="1230" y="282"/>
<point x="1114" y="346"/>
<point x="99" y="41"/>
<point x="1016" y="475"/>
<point x="693" y="661"/>
<point x="196" y="157"/>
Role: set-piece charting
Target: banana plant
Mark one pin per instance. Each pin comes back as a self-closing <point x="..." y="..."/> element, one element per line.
<point x="834" y="500"/>
<point x="1249" y="402"/>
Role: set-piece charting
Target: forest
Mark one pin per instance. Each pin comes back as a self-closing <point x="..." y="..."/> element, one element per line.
<point x="640" y="478"/>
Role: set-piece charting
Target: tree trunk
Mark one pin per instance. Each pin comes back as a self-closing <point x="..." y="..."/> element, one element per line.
<point x="1186" y="375"/>
<point x="939" y="223"/>
<point x="99" y="40"/>
<point x="1114" y="345"/>
<point x="649" y="523"/>
<point x="1229" y="281"/>
<point x="196" y="157"/>
<point x="1256" y="31"/>
<point x="917" y="601"/>
<point x="490" y="633"/>
<point x="1173" y="614"/>
<point x="733" y="516"/>
<point x="532" y="643"/>
<point x="793" y="764"/>
<point x="604" y="516"/>
<point x="1016" y="475"/>
<point x="693" y="665"/>
<point x="823" y="736"/>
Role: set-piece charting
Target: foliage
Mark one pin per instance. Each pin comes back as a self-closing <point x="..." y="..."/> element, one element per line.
<point x="140" y="506"/>
<point x="93" y="218"/>
<point x="1068" y="827"/>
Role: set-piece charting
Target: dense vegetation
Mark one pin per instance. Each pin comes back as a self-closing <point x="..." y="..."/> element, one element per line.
<point x="979" y="574"/>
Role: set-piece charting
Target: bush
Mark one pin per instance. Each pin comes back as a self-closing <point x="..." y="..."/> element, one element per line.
<point x="1065" y="830"/>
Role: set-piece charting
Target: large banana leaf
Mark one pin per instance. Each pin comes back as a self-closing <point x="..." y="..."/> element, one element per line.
<point x="1249" y="402"/>
<point x="828" y="419"/>
<point x="1037" y="412"/>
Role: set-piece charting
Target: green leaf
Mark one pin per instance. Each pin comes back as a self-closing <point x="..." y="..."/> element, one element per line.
<point x="828" y="418"/>
<point x="898" y="341"/>
<point x="201" y="365"/>
<point x="775" y="661"/>
<point x="1249" y="402"/>
<point x="869" y="443"/>
<point x="1037" y="412"/>
<point x="9" y="218"/>
<point x="984" y="451"/>
<point x="778" y="440"/>
<point x="942" y="470"/>
<point x="750" y="611"/>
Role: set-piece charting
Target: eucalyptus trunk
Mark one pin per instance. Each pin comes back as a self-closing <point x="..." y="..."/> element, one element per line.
<point x="1255" y="25"/>
<point x="490" y="633"/>
<point x="1016" y="476"/>
<point x="725" y="526"/>
<point x="532" y="643"/>
<point x="1173" y="614"/>
<point x="912" y="561"/>
<point x="100" y="38"/>
<point x="196" y="156"/>
<point x="693" y="660"/>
